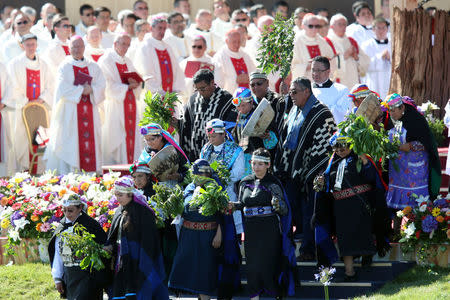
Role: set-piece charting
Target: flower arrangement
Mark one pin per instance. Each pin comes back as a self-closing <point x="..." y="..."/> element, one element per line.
<point x="424" y="225"/>
<point x="30" y="207"/>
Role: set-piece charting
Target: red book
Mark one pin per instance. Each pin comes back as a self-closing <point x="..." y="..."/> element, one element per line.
<point x="82" y="78"/>
<point x="126" y="75"/>
<point x="193" y="66"/>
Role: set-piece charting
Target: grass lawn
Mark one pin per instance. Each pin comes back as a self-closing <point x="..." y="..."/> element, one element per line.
<point x="417" y="283"/>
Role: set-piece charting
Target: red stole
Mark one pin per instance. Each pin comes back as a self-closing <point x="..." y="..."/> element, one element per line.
<point x="354" y="44"/>
<point x="313" y="50"/>
<point x="66" y="49"/>
<point x="240" y="67"/>
<point x="95" y="57"/>
<point x="86" y="134"/>
<point x="165" y="65"/>
<point x="33" y="84"/>
<point x="331" y="45"/>
<point x="129" y="111"/>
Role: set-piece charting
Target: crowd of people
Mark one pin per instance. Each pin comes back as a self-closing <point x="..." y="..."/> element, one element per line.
<point x="92" y="79"/>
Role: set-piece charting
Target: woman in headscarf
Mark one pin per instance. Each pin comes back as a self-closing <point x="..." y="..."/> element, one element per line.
<point x="134" y="242"/>
<point x="142" y="178"/>
<point x="70" y="279"/>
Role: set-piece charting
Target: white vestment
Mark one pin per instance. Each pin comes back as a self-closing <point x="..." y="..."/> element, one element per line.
<point x="81" y="29"/>
<point x="114" y="146"/>
<point x="359" y="32"/>
<point x="107" y="39"/>
<point x="189" y="90"/>
<point x="62" y="153"/>
<point x="335" y="98"/>
<point x="55" y="54"/>
<point x="7" y="163"/>
<point x="378" y="75"/>
<point x="225" y="75"/>
<point x="17" y="70"/>
<point x="147" y="64"/>
<point x="349" y="71"/>
<point x="180" y="46"/>
<point x="447" y="123"/>
<point x="213" y="41"/>
<point x="220" y="27"/>
<point x="93" y="53"/>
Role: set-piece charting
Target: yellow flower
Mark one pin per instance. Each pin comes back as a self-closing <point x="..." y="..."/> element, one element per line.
<point x="53" y="180"/>
<point x="38" y="226"/>
<point x="18" y="180"/>
<point x="34" y="218"/>
<point x="45" y="219"/>
<point x="10" y="186"/>
<point x="407" y="210"/>
<point x="111" y="212"/>
<point x="5" y="223"/>
<point x="436" y="211"/>
<point x="62" y="192"/>
<point x="84" y="186"/>
<point x="91" y="211"/>
<point x="440" y="219"/>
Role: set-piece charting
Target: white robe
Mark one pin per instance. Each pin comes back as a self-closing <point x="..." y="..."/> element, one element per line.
<point x="225" y="75"/>
<point x="55" y="54"/>
<point x="378" y="75"/>
<point x="89" y="51"/>
<point x="80" y="29"/>
<point x="114" y="147"/>
<point x="336" y="99"/>
<point x="359" y="32"/>
<point x="147" y="64"/>
<point x="62" y="153"/>
<point x="107" y="39"/>
<point x="447" y="123"/>
<point x="220" y="28"/>
<point x="349" y="71"/>
<point x="213" y="41"/>
<point x="189" y="83"/>
<point x="301" y="56"/>
<point x="180" y="46"/>
<point x="7" y="164"/>
<point x="18" y="75"/>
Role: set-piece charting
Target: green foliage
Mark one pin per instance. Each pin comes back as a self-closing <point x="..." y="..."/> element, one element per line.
<point x="159" y="109"/>
<point x="84" y="246"/>
<point x="436" y="126"/>
<point x="211" y="199"/>
<point x="277" y="47"/>
<point x="364" y="139"/>
<point x="222" y="172"/>
<point x="167" y="202"/>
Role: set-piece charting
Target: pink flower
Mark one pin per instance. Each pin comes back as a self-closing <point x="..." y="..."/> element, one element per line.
<point x="45" y="227"/>
<point x="17" y="206"/>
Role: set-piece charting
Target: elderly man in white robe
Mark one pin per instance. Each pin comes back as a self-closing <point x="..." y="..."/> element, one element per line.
<point x="21" y="25"/>
<point x="233" y="65"/>
<point x="31" y="81"/>
<point x="94" y="49"/>
<point x="58" y="48"/>
<point x="309" y="44"/>
<point x="141" y="28"/>
<point x="175" y="36"/>
<point x="353" y="62"/>
<point x="121" y="141"/>
<point x="7" y="163"/>
<point x="196" y="61"/>
<point x="75" y="130"/>
<point x="333" y="95"/>
<point x="156" y="62"/>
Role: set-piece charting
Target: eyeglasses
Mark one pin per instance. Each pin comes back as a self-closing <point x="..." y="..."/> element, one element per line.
<point x="23" y="22"/>
<point x="65" y="26"/>
<point x="197" y="47"/>
<point x="258" y="83"/>
<point x="241" y="20"/>
<point x="310" y="26"/>
<point x="318" y="71"/>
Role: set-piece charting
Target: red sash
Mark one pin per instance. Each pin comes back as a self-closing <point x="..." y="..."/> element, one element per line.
<point x="313" y="50"/>
<point x="33" y="84"/>
<point x="331" y="45"/>
<point x="86" y="134"/>
<point x="96" y="57"/>
<point x="165" y="65"/>
<point x="354" y="44"/>
<point x="240" y="67"/>
<point x="66" y="49"/>
<point x="129" y="111"/>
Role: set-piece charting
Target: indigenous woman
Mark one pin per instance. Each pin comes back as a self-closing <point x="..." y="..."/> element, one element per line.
<point x="142" y="178"/>
<point x="266" y="210"/>
<point x="134" y="242"/>
<point x="195" y="267"/>
<point x="417" y="169"/>
<point x="70" y="279"/>
<point x="246" y="104"/>
<point x="350" y="198"/>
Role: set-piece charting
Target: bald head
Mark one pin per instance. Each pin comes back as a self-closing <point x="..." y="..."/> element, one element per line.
<point x="264" y="21"/>
<point x="76" y="45"/>
<point x="47" y="8"/>
<point x="122" y="43"/>
<point x="94" y="36"/>
<point x="203" y="20"/>
<point x="233" y="40"/>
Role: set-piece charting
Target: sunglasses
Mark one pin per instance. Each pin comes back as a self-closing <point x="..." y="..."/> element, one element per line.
<point x="294" y="92"/>
<point x="259" y="83"/>
<point x="66" y="26"/>
<point x="197" y="47"/>
<point x="23" y="22"/>
<point x="240" y="20"/>
<point x="314" y="26"/>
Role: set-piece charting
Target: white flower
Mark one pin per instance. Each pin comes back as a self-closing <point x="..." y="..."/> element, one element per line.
<point x="30" y="191"/>
<point x="6" y="213"/>
<point x="14" y="235"/>
<point x="423" y="208"/>
<point x="22" y="176"/>
<point x="20" y="223"/>
<point x="421" y="199"/>
<point x="431" y="234"/>
<point x="400" y="213"/>
<point x="428" y="105"/>
<point x="410" y="230"/>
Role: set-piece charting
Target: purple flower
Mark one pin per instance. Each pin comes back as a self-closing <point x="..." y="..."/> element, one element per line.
<point x="440" y="202"/>
<point x="52" y="206"/>
<point x="54" y="219"/>
<point x="103" y="219"/>
<point x="143" y="131"/>
<point x="429" y="224"/>
<point x="16" y="216"/>
<point x="113" y="203"/>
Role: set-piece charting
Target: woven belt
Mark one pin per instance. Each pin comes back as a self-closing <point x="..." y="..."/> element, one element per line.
<point x="258" y="211"/>
<point x="350" y="192"/>
<point x="200" y="225"/>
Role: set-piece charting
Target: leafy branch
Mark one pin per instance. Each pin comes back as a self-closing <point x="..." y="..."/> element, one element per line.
<point x="210" y="199"/>
<point x="159" y="109"/>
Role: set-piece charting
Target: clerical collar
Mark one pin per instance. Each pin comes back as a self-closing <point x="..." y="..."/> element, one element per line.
<point x="33" y="59"/>
<point x="81" y="59"/>
<point x="326" y="84"/>
<point x="382" y="41"/>
<point x="201" y="30"/>
<point x="364" y="26"/>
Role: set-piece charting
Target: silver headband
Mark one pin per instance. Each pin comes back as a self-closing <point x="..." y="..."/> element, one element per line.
<point x="124" y="189"/>
<point x="261" y="158"/>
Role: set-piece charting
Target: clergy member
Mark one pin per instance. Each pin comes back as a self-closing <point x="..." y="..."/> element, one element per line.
<point x="309" y="44"/>
<point x="157" y="63"/>
<point x="353" y="62"/>
<point x="7" y="163"/>
<point x="233" y="64"/>
<point x="94" y="49"/>
<point x="75" y="132"/>
<point x="361" y="30"/>
<point x="21" y="25"/>
<point x="175" y="37"/>
<point x="141" y="28"/>
<point x="334" y="95"/>
<point x="31" y="81"/>
<point x="121" y="141"/>
<point x="58" y="48"/>
<point x="102" y="17"/>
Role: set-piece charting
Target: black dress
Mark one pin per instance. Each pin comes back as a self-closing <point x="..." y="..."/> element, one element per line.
<point x="263" y="250"/>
